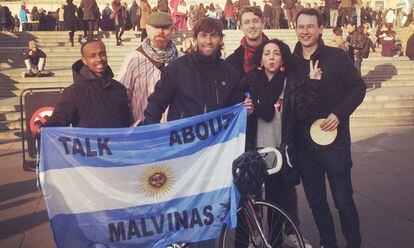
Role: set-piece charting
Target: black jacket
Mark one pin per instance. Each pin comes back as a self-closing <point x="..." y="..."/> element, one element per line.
<point x="193" y="85"/>
<point x="237" y="60"/>
<point x="92" y="102"/>
<point x="340" y="91"/>
<point x="264" y="96"/>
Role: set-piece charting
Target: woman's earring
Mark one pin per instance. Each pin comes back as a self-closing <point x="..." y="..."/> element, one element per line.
<point x="260" y="68"/>
<point x="282" y="68"/>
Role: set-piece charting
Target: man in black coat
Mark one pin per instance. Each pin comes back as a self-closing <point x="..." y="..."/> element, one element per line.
<point x="196" y="83"/>
<point x="251" y="23"/>
<point x="95" y="99"/>
<point x="333" y="89"/>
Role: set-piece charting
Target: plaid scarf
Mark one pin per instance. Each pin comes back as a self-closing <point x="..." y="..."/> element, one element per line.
<point x="248" y="64"/>
<point x="160" y="56"/>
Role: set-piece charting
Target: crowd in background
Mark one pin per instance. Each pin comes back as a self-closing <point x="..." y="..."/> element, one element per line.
<point x="277" y="14"/>
<point x="119" y="16"/>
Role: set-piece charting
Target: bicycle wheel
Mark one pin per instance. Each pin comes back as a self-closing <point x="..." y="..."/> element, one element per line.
<point x="275" y="222"/>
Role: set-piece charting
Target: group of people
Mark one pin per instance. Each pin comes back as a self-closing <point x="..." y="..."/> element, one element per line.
<point x="288" y="92"/>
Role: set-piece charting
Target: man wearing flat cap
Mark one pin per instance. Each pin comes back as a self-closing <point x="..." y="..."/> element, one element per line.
<point x="141" y="69"/>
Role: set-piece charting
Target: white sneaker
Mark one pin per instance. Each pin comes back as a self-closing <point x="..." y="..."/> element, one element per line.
<point x="292" y="241"/>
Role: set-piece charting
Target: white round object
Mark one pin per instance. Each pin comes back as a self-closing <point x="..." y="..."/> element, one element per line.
<point x="321" y="137"/>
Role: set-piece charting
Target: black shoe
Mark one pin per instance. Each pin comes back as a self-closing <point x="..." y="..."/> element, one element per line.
<point x="30" y="73"/>
<point x="118" y="43"/>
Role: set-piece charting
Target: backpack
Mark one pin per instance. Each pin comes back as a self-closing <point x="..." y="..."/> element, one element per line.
<point x="357" y="40"/>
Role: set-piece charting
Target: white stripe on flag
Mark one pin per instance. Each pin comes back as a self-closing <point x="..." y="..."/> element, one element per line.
<point x="89" y="189"/>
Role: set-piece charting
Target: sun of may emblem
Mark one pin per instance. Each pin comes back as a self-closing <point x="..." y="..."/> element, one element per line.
<point x="156" y="181"/>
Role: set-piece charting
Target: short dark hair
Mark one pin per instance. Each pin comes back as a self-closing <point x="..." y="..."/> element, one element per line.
<point x="284" y="52"/>
<point x="208" y="25"/>
<point x="252" y="9"/>
<point x="89" y="42"/>
<point x="311" y="12"/>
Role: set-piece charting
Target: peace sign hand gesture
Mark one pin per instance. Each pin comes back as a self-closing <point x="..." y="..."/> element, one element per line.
<point x="314" y="71"/>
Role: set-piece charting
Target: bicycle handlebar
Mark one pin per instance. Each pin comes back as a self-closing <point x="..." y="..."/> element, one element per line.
<point x="279" y="159"/>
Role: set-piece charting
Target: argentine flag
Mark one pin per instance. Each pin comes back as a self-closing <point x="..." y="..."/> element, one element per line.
<point x="149" y="186"/>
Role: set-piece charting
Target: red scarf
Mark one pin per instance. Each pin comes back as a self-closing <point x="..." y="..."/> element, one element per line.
<point x="248" y="65"/>
<point x="248" y="54"/>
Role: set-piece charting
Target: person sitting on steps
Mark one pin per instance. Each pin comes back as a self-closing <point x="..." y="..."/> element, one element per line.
<point x="35" y="60"/>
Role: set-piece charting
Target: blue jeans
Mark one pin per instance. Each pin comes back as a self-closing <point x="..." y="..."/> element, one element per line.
<point x="336" y="165"/>
<point x="231" y="23"/>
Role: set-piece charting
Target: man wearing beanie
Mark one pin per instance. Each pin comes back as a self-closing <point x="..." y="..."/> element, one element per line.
<point x="141" y="69"/>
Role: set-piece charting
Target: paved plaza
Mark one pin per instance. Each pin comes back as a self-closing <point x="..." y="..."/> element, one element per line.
<point x="383" y="185"/>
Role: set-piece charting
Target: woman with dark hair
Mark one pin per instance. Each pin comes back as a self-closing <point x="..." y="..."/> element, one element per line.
<point x="266" y="84"/>
<point x="270" y="124"/>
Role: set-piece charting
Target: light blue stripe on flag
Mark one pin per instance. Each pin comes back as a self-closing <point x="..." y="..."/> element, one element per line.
<point x="199" y="217"/>
<point x="71" y="147"/>
<point x="118" y="193"/>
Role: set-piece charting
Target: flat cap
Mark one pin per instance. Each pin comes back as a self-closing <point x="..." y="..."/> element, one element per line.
<point x="159" y="19"/>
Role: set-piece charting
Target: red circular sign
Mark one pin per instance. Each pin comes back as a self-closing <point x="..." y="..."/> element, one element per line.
<point x="40" y="115"/>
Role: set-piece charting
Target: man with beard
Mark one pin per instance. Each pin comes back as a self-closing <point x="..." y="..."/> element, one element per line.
<point x="141" y="69"/>
<point x="197" y="83"/>
<point x="95" y="99"/>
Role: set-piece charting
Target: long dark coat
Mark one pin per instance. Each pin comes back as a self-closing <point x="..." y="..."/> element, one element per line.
<point x="71" y="20"/>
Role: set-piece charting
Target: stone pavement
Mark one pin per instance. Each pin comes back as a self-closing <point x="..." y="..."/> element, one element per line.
<point x="382" y="175"/>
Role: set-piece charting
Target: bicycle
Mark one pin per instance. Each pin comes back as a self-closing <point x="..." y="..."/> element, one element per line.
<point x="264" y="222"/>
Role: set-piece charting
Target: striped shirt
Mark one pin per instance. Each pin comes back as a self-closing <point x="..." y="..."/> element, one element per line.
<point x="139" y="76"/>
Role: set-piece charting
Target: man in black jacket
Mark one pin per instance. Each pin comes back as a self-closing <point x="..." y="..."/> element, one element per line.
<point x="337" y="89"/>
<point x="251" y="23"/>
<point x="251" y="20"/>
<point x="196" y="83"/>
<point x="94" y="100"/>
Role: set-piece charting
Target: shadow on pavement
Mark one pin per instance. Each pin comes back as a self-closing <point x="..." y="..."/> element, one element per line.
<point x="22" y="224"/>
<point x="12" y="190"/>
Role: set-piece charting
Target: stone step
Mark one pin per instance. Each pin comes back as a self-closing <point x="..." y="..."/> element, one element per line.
<point x="390" y="83"/>
<point x="382" y="121"/>
<point x="382" y="105"/>
<point x="11" y="145"/>
<point x="385" y="77"/>
<point x="9" y="135"/>
<point x="10" y="125"/>
<point x="391" y="112"/>
<point x="10" y="116"/>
